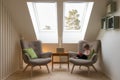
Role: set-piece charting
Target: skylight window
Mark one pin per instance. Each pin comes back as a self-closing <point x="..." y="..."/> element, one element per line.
<point x="75" y="21"/>
<point x="47" y="19"/>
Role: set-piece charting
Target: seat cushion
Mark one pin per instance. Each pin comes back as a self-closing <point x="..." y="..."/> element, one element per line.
<point x="40" y="61"/>
<point x="80" y="61"/>
<point x="36" y="45"/>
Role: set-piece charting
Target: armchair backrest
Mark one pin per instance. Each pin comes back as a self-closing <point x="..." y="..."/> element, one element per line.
<point x="36" y="45"/>
<point x="93" y="45"/>
<point x="24" y="45"/>
<point x="80" y="45"/>
<point x="94" y="58"/>
<point x="96" y="45"/>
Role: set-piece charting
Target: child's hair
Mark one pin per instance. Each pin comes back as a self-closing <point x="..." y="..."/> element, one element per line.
<point x="86" y="46"/>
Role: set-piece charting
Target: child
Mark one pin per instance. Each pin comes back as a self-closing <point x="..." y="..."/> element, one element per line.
<point x="85" y="53"/>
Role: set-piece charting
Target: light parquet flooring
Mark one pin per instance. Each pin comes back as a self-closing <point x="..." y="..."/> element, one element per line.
<point x="58" y="74"/>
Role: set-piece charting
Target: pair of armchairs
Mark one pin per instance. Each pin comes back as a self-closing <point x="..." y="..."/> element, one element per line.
<point x="83" y="62"/>
<point x="43" y="58"/>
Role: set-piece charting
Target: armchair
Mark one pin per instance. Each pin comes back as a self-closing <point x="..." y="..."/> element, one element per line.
<point x="83" y="62"/>
<point x="43" y="58"/>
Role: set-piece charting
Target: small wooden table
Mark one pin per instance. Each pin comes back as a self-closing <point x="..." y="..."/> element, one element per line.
<point x="60" y="54"/>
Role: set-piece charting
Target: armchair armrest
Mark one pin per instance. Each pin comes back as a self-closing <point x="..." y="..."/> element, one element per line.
<point x="46" y="54"/>
<point x="72" y="53"/>
<point x="26" y="57"/>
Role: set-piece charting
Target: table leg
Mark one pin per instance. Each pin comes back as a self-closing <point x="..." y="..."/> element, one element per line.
<point x="60" y="61"/>
<point x="52" y="63"/>
<point x="68" y="63"/>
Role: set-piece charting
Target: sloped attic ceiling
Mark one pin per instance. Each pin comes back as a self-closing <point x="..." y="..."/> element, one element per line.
<point x="99" y="11"/>
<point x="22" y="20"/>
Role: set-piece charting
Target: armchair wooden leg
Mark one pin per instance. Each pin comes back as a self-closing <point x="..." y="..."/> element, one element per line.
<point x="94" y="68"/>
<point x="80" y="67"/>
<point x="31" y="70"/>
<point x="26" y="67"/>
<point x="48" y="69"/>
<point x="72" y="68"/>
<point x="88" y="69"/>
<point x="40" y="67"/>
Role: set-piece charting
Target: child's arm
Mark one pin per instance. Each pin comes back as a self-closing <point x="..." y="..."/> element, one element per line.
<point x="80" y="53"/>
<point x="86" y="52"/>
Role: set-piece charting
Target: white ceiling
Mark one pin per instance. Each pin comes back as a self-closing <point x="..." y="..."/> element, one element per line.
<point x="22" y="20"/>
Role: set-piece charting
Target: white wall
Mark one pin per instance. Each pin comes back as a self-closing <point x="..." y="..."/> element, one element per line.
<point x="9" y="41"/>
<point x="95" y="19"/>
<point x="110" y="56"/>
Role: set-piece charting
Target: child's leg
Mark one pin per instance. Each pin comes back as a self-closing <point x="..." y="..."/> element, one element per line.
<point x="84" y="57"/>
<point x="79" y="57"/>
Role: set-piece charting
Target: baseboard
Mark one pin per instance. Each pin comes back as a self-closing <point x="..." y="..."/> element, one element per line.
<point x="108" y="76"/>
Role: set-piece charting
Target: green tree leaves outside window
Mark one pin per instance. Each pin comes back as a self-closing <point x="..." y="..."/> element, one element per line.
<point x="72" y="20"/>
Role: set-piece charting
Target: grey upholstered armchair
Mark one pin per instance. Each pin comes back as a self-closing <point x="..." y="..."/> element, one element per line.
<point x="82" y="62"/>
<point x="43" y="58"/>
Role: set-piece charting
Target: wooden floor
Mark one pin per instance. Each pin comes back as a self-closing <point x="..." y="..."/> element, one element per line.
<point x="58" y="74"/>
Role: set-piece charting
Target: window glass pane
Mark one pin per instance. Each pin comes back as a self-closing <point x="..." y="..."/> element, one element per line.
<point x="75" y="19"/>
<point x="47" y="22"/>
<point x="47" y="16"/>
<point x="44" y="18"/>
<point x="74" y="15"/>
